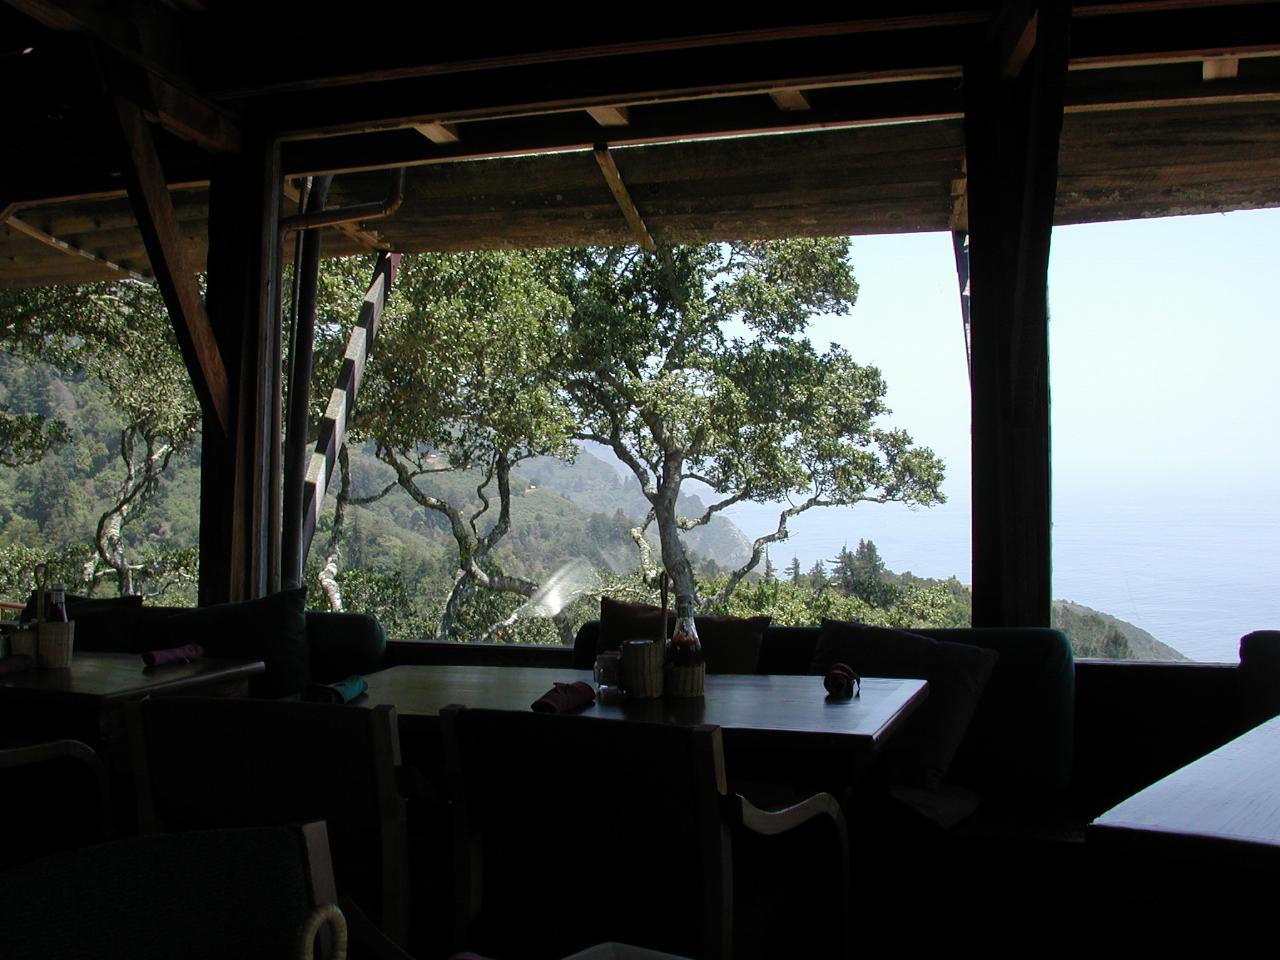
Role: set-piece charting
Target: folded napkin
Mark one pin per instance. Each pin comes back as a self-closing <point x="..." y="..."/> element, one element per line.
<point x="841" y="682"/>
<point x="344" y="691"/>
<point x="565" y="698"/>
<point x="18" y="663"/>
<point x="184" y="654"/>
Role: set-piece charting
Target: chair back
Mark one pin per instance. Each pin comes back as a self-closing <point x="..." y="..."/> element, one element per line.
<point x="203" y="764"/>
<point x="56" y="797"/>
<point x="257" y="893"/>
<point x="571" y="831"/>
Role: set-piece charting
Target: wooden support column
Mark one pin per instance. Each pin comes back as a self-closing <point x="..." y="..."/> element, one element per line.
<point x="153" y="208"/>
<point x="1013" y="90"/>
<point x="239" y="545"/>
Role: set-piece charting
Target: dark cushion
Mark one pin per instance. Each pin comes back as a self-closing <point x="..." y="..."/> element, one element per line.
<point x="343" y="644"/>
<point x="103" y="624"/>
<point x="1259" y="676"/>
<point x="271" y="629"/>
<point x="920" y="754"/>
<point x="729" y="644"/>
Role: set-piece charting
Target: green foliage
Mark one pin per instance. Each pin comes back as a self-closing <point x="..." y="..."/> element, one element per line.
<point x="691" y="362"/>
<point x="58" y="427"/>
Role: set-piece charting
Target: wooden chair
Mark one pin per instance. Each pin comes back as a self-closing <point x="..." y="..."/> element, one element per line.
<point x="255" y="893"/>
<point x="570" y="831"/>
<point x="236" y="763"/>
<point x="56" y="797"/>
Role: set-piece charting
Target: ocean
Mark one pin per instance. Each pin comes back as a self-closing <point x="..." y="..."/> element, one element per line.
<point x="1195" y="570"/>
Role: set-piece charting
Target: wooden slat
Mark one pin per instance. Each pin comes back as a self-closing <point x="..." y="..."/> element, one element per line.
<point x="333" y="426"/>
<point x="618" y="187"/>
<point x="174" y="274"/>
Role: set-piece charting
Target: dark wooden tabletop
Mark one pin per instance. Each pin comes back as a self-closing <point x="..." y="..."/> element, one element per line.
<point x="1227" y="798"/>
<point x="782" y="709"/>
<point x="105" y="677"/>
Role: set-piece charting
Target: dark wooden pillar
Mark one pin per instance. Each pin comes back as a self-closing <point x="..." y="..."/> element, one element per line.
<point x="239" y="542"/>
<point x="1013" y="119"/>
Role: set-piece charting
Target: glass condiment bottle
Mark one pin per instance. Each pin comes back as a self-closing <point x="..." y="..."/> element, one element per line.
<point x="686" y="648"/>
<point x="58" y="609"/>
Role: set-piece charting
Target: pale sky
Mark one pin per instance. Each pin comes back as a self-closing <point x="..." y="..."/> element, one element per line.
<point x="1164" y="348"/>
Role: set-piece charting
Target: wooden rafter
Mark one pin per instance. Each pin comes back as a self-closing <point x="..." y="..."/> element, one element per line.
<point x="1220" y="68"/>
<point x="49" y="240"/>
<point x="610" y="116"/>
<point x="438" y="132"/>
<point x="790" y="100"/>
<point x="368" y="239"/>
<point x="613" y="177"/>
<point x="1015" y="35"/>
<point x="153" y="208"/>
<point x="190" y="117"/>
<point x="148" y="37"/>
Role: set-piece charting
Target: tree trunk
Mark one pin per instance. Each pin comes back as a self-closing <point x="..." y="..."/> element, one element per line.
<point x="674" y="558"/>
<point x="453" y="605"/>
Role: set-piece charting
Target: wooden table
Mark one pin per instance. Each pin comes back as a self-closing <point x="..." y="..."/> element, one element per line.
<point x="97" y="679"/>
<point x="775" y="727"/>
<point x="83" y="702"/>
<point x="1223" y="808"/>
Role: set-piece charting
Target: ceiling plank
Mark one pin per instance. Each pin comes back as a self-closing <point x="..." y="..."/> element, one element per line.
<point x="613" y="177"/>
<point x="174" y="273"/>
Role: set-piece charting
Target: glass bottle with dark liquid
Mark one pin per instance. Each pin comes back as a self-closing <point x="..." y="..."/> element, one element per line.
<point x="686" y="648"/>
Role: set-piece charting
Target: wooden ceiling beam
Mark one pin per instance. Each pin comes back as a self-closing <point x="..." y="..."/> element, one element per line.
<point x="618" y="187"/>
<point x="145" y="33"/>
<point x="1015" y="36"/>
<point x="365" y="239"/>
<point x="191" y="117"/>
<point x="559" y="132"/>
<point x="49" y="240"/>
<point x="147" y="36"/>
<point x="563" y="48"/>
<point x="174" y="274"/>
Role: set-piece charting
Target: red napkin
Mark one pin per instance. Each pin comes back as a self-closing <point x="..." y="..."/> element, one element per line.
<point x="156" y="658"/>
<point x="565" y="698"/>
<point x="841" y="682"/>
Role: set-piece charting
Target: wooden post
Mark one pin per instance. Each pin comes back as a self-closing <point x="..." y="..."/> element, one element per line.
<point x="1013" y="120"/>
<point x="237" y="550"/>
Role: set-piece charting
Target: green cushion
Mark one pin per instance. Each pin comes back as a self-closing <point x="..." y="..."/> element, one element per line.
<point x="1021" y="739"/>
<point x="271" y="629"/>
<point x="920" y="754"/>
<point x="729" y="644"/>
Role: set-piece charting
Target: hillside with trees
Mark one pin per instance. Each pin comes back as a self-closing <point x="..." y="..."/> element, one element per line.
<point x="470" y="493"/>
